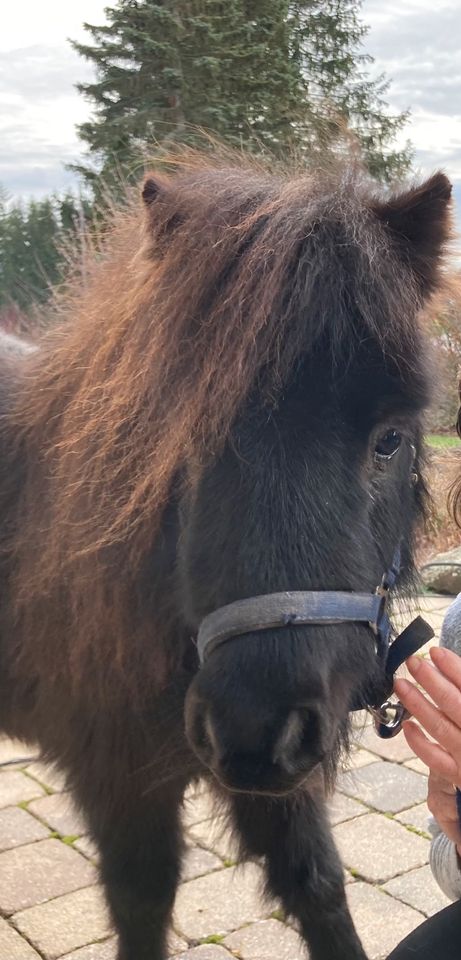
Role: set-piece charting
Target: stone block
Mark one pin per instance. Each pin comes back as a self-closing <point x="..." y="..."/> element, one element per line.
<point x="342" y="808"/>
<point x="17" y="827"/>
<point x="95" y="951"/>
<point x="47" y="774"/>
<point x="418" y="766"/>
<point x="387" y="787"/>
<point x="395" y="750"/>
<point x="219" y="903"/>
<point x="59" y="812"/>
<point x="375" y="847"/>
<point x="12" y="946"/>
<point x="38" y="871"/>
<point x="66" y="923"/>
<point x="16" y="750"/>
<point x="381" y="921"/>
<point x="416" y="817"/>
<point x="207" y="951"/>
<point x="199" y="807"/>
<point x="16" y="788"/>
<point x="267" y="939"/>
<point x="215" y="836"/>
<point x="419" y="890"/>
<point x="86" y="846"/>
<point x="198" y="862"/>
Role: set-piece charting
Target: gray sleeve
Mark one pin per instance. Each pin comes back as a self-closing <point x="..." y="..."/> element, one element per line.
<point x="445" y="863"/>
<point x="451" y="629"/>
<point x="444" y="860"/>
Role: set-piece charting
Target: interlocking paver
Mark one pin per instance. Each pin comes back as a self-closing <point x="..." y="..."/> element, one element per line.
<point x="417" y="765"/>
<point x="381" y="921"/>
<point x="175" y="944"/>
<point x="267" y="938"/>
<point x="16" y="787"/>
<point x="59" y="812"/>
<point x="214" y="836"/>
<point x="396" y="749"/>
<point x="197" y="808"/>
<point x="198" y="862"/>
<point x="416" y="817"/>
<point x="387" y="787"/>
<point x="95" y="951"/>
<point x="418" y="889"/>
<point x="13" y="946"/>
<point x="47" y="774"/>
<point x="62" y="925"/>
<point x="17" y="827"/>
<point x="207" y="951"/>
<point x="341" y="808"/>
<point x="86" y="846"/>
<point x="219" y="903"/>
<point x="379" y="860"/>
<point x="15" y="750"/>
<point x="38" y="871"/>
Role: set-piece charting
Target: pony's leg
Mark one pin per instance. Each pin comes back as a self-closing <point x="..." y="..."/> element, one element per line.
<point x="303" y="869"/>
<point x="140" y="866"/>
<point x="129" y="774"/>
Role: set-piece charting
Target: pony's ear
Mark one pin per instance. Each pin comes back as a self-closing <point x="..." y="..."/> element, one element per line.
<point x="419" y="221"/>
<point x="152" y="188"/>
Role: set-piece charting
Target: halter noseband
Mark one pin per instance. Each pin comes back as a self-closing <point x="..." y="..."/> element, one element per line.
<point x="299" y="608"/>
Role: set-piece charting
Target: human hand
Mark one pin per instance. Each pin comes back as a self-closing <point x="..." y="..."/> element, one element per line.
<point x="442" y="721"/>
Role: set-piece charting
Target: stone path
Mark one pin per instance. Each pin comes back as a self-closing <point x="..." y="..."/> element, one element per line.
<point x="51" y="905"/>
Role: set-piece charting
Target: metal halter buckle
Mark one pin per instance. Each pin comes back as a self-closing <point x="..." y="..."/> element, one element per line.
<point x="389" y="718"/>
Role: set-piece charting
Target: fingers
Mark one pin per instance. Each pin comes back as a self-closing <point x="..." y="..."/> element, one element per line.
<point x="442" y="804"/>
<point x="441" y="687"/>
<point x="448" y="663"/>
<point x="438" y="726"/>
<point x="433" y="755"/>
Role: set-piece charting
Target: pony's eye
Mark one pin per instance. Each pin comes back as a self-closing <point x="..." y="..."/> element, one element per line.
<point x="387" y="445"/>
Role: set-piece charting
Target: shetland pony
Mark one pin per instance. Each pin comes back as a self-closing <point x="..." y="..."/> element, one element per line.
<point x="230" y="406"/>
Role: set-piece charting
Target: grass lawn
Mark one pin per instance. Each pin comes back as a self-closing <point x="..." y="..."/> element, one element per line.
<point x="441" y="441"/>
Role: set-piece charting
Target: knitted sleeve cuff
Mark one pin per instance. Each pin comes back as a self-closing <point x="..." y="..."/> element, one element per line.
<point x="446" y="866"/>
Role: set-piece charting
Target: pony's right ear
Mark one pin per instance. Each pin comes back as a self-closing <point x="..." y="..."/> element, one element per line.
<point x="420" y="224"/>
<point x="152" y="188"/>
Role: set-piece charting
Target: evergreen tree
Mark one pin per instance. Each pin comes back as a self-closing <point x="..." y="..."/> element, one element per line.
<point x="271" y="74"/>
<point x="32" y="242"/>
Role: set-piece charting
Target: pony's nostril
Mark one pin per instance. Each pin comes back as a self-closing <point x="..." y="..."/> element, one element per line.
<point x="299" y="741"/>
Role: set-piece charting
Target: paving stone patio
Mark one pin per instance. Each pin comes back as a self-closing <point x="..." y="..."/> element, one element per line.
<point x="51" y="905"/>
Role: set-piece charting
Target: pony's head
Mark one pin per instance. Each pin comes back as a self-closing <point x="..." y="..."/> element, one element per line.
<point x="231" y="410"/>
<point x="318" y="478"/>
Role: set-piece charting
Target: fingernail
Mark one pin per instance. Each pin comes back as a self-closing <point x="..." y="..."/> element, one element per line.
<point x="414" y="664"/>
<point x="401" y="685"/>
<point x="439" y="652"/>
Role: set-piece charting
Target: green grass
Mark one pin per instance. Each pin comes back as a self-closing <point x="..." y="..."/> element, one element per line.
<point x="442" y="441"/>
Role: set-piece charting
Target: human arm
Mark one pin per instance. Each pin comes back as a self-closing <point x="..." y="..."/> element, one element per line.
<point x="441" y="719"/>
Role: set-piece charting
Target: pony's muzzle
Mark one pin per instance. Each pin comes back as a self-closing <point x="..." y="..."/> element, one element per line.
<point x="274" y="763"/>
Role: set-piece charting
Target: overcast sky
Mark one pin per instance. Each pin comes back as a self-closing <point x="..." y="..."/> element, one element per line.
<point x="416" y="42"/>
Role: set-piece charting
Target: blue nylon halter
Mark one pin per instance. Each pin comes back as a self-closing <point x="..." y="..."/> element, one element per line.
<point x="298" y="608"/>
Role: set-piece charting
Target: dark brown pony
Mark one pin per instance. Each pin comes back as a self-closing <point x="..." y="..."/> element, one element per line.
<point x="230" y="406"/>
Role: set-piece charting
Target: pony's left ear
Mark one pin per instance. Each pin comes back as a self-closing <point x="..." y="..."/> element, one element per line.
<point x="152" y="188"/>
<point x="420" y="222"/>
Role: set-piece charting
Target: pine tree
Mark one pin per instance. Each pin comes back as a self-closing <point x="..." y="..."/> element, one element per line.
<point x="32" y="246"/>
<point x="266" y="74"/>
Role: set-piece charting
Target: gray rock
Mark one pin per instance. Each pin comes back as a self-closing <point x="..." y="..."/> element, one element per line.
<point x="442" y="573"/>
